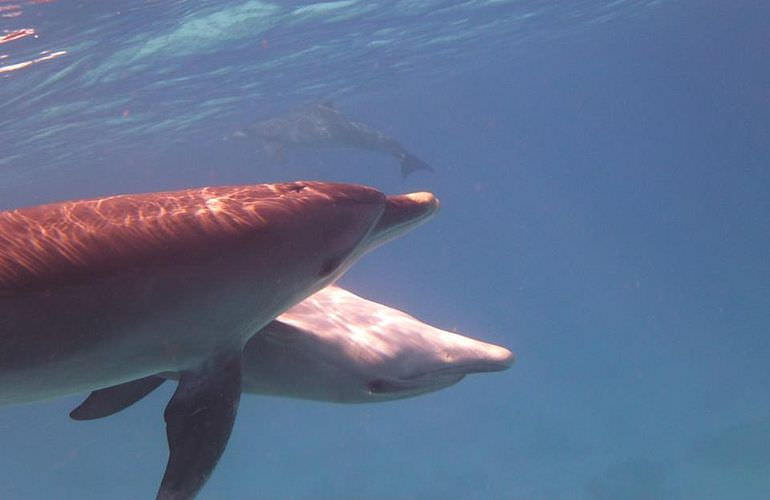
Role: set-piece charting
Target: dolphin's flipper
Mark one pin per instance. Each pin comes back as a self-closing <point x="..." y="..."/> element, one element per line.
<point x="110" y="400"/>
<point x="199" y="419"/>
<point x="410" y="163"/>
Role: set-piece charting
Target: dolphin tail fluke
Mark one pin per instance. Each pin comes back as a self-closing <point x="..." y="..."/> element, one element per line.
<point x="410" y="163"/>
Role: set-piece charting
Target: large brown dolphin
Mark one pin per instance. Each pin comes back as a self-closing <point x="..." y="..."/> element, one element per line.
<point x="99" y="292"/>
<point x="338" y="347"/>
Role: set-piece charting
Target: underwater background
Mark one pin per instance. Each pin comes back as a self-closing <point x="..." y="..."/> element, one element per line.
<point x="604" y="174"/>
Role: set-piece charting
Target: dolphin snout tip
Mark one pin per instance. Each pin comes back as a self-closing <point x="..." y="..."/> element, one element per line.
<point x="408" y="209"/>
<point x="482" y="358"/>
<point x="425" y="199"/>
<point x="497" y="358"/>
<point x="422" y="203"/>
<point x="504" y="357"/>
<point x="422" y="197"/>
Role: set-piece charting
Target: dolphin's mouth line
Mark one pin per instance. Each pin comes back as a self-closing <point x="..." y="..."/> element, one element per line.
<point x="432" y="379"/>
<point x="464" y="369"/>
<point x="411" y="384"/>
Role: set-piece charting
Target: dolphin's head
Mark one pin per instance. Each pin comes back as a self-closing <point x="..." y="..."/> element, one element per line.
<point x="353" y="220"/>
<point x="401" y="214"/>
<point x="432" y="360"/>
<point x="408" y="357"/>
<point x="290" y="239"/>
<point x="336" y="346"/>
<point x="314" y="231"/>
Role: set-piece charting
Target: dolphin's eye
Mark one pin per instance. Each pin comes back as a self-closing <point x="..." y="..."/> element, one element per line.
<point x="329" y="266"/>
<point x="377" y="386"/>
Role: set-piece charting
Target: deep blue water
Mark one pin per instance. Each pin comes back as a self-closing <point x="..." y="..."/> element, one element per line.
<point x="604" y="173"/>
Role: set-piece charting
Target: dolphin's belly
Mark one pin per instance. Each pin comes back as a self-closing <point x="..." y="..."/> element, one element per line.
<point x="72" y="340"/>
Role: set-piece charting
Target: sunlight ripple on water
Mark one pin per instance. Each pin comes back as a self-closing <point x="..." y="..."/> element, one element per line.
<point x="212" y="58"/>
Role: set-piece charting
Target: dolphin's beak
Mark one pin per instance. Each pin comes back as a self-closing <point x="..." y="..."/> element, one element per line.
<point x="483" y="358"/>
<point x="496" y="358"/>
<point x="402" y="213"/>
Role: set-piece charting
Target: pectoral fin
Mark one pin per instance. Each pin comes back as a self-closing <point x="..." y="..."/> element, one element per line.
<point x="199" y="419"/>
<point x="111" y="400"/>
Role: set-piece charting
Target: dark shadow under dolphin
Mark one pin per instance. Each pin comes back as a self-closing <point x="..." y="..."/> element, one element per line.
<point x="321" y="125"/>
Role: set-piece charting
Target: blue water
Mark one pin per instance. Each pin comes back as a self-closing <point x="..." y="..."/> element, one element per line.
<point x="604" y="173"/>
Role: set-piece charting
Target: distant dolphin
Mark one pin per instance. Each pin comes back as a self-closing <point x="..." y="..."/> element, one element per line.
<point x="98" y="292"/>
<point x="336" y="346"/>
<point x="322" y="125"/>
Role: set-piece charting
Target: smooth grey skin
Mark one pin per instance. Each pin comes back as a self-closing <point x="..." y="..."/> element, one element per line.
<point x="100" y="292"/>
<point x="321" y="125"/>
<point x="338" y="347"/>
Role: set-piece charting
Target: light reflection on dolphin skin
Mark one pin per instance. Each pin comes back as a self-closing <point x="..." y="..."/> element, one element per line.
<point x="339" y="347"/>
<point x="38" y="243"/>
<point x="322" y="125"/>
<point x="100" y="292"/>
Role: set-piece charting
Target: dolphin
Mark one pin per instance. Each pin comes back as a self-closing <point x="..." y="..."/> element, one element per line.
<point x="321" y="125"/>
<point x="348" y="349"/>
<point x="338" y="347"/>
<point x="98" y="292"/>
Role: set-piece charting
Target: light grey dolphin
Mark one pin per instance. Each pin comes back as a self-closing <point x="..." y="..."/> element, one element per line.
<point x="336" y="346"/>
<point x="321" y="125"/>
<point x="99" y="292"/>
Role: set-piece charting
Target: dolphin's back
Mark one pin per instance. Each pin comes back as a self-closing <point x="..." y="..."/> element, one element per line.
<point x="41" y="243"/>
<point x="45" y="244"/>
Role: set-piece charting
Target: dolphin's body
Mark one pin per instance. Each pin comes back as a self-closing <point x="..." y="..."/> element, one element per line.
<point x="99" y="292"/>
<point x="322" y="126"/>
<point x="338" y="347"/>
